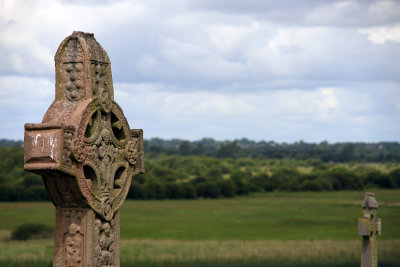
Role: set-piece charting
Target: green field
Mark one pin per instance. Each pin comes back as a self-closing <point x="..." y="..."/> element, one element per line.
<point x="275" y="228"/>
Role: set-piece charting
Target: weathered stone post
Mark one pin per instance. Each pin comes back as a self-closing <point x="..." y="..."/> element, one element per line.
<point x="86" y="154"/>
<point x="369" y="226"/>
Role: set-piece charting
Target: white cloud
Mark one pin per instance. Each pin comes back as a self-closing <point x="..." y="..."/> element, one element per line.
<point x="336" y="114"/>
<point x="327" y="99"/>
<point x="227" y="37"/>
<point x="33" y="31"/>
<point x="23" y="100"/>
<point x="16" y="90"/>
<point x="380" y="35"/>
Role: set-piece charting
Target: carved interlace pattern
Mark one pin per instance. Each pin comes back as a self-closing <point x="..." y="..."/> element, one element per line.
<point x="133" y="152"/>
<point x="105" y="153"/>
<point x="68" y="136"/>
<point x="101" y="84"/>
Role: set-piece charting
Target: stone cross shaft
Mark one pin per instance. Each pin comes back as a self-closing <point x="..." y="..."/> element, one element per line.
<point x="369" y="227"/>
<point x="86" y="154"/>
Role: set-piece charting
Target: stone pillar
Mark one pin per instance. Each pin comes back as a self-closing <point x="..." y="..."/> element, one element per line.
<point x="369" y="227"/>
<point x="86" y="154"/>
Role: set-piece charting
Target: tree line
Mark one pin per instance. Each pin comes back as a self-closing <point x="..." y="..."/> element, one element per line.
<point x="338" y="152"/>
<point x="177" y="176"/>
<point x="199" y="176"/>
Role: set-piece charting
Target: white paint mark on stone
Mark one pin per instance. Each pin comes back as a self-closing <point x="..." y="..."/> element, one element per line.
<point x="53" y="143"/>
<point x="36" y="138"/>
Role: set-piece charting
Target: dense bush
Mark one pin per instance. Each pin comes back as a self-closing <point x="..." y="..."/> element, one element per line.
<point x="376" y="178"/>
<point x="283" y="176"/>
<point x="137" y="191"/>
<point x="174" y="191"/>
<point x="395" y="175"/>
<point x="214" y="173"/>
<point x="344" y="179"/>
<point x="384" y="181"/>
<point x="227" y="188"/>
<point x="242" y="187"/>
<point x="262" y="181"/>
<point x="155" y="190"/>
<point x="290" y="186"/>
<point x="211" y="190"/>
<point x="241" y="180"/>
<point x="32" y="231"/>
<point x="189" y="191"/>
<point x="316" y="185"/>
<point x="188" y="177"/>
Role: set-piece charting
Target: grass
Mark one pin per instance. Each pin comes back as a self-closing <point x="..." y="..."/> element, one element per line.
<point x="274" y="229"/>
<point x="272" y="216"/>
<point x="275" y="216"/>
<point x="148" y="252"/>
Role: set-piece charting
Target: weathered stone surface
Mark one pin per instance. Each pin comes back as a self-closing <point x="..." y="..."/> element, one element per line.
<point x="86" y="154"/>
<point x="369" y="227"/>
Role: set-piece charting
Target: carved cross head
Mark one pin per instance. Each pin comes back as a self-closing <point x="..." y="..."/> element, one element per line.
<point x="369" y="224"/>
<point x="84" y="148"/>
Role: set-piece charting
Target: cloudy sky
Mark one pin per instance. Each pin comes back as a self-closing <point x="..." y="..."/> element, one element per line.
<point x="266" y="70"/>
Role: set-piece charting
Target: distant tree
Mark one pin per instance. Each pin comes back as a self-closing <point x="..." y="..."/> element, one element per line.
<point x="10" y="143"/>
<point x="238" y="174"/>
<point x="347" y="152"/>
<point x="199" y="149"/>
<point x="214" y="173"/>
<point x="198" y="180"/>
<point x="185" y="149"/>
<point x="229" y="150"/>
<point x="165" y="173"/>
<point x="225" y="168"/>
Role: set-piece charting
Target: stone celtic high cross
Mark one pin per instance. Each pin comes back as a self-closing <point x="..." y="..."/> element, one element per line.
<point x="86" y="154"/>
<point x="369" y="227"/>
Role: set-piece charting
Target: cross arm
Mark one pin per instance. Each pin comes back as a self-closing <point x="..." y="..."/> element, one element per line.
<point x="366" y="226"/>
<point x="45" y="145"/>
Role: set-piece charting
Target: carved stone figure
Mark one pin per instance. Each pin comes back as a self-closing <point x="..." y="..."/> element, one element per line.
<point x="73" y="246"/>
<point x="86" y="154"/>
